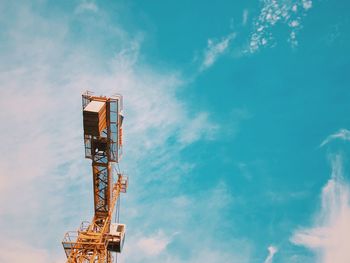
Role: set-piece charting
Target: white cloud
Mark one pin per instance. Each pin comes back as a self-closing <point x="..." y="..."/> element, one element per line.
<point x="188" y="230"/>
<point x="215" y="49"/>
<point x="46" y="74"/>
<point x="86" y="6"/>
<point x="17" y="251"/>
<point x="307" y="4"/>
<point x="44" y="172"/>
<point x="272" y="251"/>
<point x="200" y="127"/>
<point x="153" y="245"/>
<point x="20" y="251"/>
<point x="342" y="134"/>
<point x="330" y="235"/>
<point x="245" y="17"/>
<point x="274" y="12"/>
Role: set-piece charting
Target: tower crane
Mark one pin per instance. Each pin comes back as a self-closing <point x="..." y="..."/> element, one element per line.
<point x="96" y="241"/>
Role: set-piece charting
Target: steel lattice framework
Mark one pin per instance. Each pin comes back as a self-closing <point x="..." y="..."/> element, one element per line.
<point x="95" y="241"/>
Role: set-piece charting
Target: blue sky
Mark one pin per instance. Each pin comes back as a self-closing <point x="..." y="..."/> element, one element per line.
<point x="236" y="130"/>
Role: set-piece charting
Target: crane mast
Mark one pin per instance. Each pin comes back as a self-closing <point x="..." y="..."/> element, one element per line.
<point x="95" y="241"/>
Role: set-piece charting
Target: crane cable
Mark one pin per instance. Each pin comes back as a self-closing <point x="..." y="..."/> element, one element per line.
<point x="116" y="218"/>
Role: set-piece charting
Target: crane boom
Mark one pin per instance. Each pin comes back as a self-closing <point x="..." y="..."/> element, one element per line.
<point x="94" y="242"/>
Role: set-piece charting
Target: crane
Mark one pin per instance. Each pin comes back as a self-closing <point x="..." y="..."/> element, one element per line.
<point x="98" y="240"/>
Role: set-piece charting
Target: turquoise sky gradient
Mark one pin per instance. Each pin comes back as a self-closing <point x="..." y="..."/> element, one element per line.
<point x="236" y="130"/>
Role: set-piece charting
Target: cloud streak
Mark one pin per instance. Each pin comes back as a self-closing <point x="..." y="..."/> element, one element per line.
<point x="245" y="17"/>
<point x="342" y="134"/>
<point x="215" y="49"/>
<point x="272" y="251"/>
<point x="85" y="6"/>
<point x="330" y="235"/>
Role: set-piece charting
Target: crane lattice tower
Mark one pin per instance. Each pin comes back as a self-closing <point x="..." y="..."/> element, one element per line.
<point x="98" y="240"/>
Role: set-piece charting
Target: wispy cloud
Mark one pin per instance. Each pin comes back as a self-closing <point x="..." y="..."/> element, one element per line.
<point x="153" y="245"/>
<point x="177" y="228"/>
<point x="215" y="49"/>
<point x="200" y="127"/>
<point x="272" y="251"/>
<point x="21" y="252"/>
<point x="273" y="12"/>
<point x="44" y="157"/>
<point x="245" y="17"/>
<point x="85" y="5"/>
<point x="330" y="235"/>
<point x="342" y="134"/>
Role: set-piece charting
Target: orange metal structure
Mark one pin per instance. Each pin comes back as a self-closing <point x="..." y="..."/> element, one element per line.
<point x="96" y="241"/>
